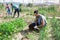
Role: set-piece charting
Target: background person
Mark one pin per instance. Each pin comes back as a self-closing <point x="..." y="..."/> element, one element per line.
<point x="16" y="8"/>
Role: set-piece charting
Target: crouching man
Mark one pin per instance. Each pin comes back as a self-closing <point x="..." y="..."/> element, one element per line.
<point x="39" y="22"/>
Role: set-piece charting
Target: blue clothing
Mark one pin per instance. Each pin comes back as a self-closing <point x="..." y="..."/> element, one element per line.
<point x="15" y="6"/>
<point x="9" y="11"/>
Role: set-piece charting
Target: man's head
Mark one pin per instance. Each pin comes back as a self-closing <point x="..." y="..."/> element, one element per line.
<point x="36" y="12"/>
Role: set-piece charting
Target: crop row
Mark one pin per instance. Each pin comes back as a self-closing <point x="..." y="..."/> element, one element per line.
<point x="51" y="31"/>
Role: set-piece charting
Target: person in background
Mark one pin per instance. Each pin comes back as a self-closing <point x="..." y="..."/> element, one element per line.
<point x="8" y="10"/>
<point x="40" y="21"/>
<point x="16" y="8"/>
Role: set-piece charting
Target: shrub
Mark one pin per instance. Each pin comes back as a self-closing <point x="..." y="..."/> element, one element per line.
<point x="20" y="7"/>
<point x="48" y="9"/>
<point x="8" y="28"/>
<point x="29" y="5"/>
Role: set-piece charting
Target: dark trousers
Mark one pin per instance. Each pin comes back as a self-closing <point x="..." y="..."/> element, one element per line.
<point x="32" y="25"/>
<point x="16" y="10"/>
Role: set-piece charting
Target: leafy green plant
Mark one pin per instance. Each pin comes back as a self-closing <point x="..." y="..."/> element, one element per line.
<point x="8" y="28"/>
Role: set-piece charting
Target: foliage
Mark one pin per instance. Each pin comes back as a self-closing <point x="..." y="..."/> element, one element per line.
<point x="44" y="33"/>
<point x="50" y="9"/>
<point x="8" y="28"/>
<point x="2" y="6"/>
<point x="20" y="7"/>
<point x="29" y="5"/>
<point x="56" y="28"/>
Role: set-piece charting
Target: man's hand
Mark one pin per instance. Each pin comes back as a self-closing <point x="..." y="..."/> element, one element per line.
<point x="35" y="27"/>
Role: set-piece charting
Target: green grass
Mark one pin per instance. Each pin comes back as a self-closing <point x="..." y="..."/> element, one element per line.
<point x="50" y="10"/>
<point x="53" y="28"/>
<point x="45" y="31"/>
<point x="56" y="28"/>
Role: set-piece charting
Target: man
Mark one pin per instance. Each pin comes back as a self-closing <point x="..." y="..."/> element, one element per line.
<point x="40" y="21"/>
<point x="16" y="7"/>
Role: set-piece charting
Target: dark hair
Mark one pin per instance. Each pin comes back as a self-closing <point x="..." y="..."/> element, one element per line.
<point x="36" y="11"/>
<point x="11" y="4"/>
<point x="6" y="4"/>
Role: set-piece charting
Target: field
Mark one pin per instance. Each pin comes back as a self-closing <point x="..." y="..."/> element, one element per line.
<point x="17" y="28"/>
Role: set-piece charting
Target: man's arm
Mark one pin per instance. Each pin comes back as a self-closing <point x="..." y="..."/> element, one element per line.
<point x="36" y="20"/>
<point x="42" y="23"/>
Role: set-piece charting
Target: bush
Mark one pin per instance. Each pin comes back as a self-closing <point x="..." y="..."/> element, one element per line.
<point x="20" y="7"/>
<point x="42" y="12"/>
<point x="51" y="9"/>
<point x="8" y="28"/>
<point x="1" y="6"/>
<point x="29" y="5"/>
<point x="48" y="9"/>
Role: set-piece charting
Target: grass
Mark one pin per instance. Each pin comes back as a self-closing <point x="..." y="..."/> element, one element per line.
<point x="33" y="36"/>
<point x="45" y="32"/>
